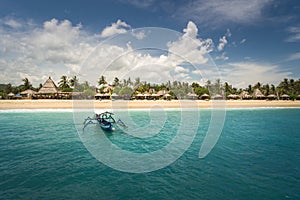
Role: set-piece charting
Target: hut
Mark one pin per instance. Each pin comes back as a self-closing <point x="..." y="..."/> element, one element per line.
<point x="147" y="95"/>
<point x="139" y="96"/>
<point x="11" y="95"/>
<point x="192" y="96"/>
<point x="285" y="97"/>
<point x="257" y="94"/>
<point x="245" y="95"/>
<point x="114" y="96"/>
<point x="204" y="96"/>
<point x="49" y="90"/>
<point x="217" y="97"/>
<point x="233" y="96"/>
<point x="271" y="97"/>
<point x="28" y="94"/>
<point x="154" y="96"/>
<point x="167" y="97"/>
<point x="98" y="96"/>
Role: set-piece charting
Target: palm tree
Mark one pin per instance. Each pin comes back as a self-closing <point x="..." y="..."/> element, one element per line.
<point x="257" y="85"/>
<point x="102" y="81"/>
<point x="27" y="85"/>
<point x="116" y="81"/>
<point x="73" y="81"/>
<point x="64" y="83"/>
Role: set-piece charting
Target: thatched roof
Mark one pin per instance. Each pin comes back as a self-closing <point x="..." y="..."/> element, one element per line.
<point x="258" y="94"/>
<point x="271" y="96"/>
<point x="29" y="91"/>
<point x="49" y="87"/>
<point x="245" y="95"/>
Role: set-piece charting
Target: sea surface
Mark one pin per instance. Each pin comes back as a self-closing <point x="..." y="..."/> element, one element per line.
<point x="43" y="156"/>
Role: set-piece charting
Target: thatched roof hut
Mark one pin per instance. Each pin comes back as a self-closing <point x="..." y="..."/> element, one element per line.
<point x="204" y="96"/>
<point x="271" y="96"/>
<point x="245" y="95"/>
<point x="28" y="93"/>
<point x="233" y="96"/>
<point x="257" y="94"/>
<point x="285" y="97"/>
<point x="217" y="97"/>
<point x="49" y="87"/>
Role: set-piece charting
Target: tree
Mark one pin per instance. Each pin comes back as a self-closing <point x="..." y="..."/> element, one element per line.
<point x="63" y="83"/>
<point x="126" y="92"/>
<point x="74" y="81"/>
<point x="102" y="80"/>
<point x="116" y="82"/>
<point x="27" y="85"/>
<point x="250" y="90"/>
<point x="257" y="85"/>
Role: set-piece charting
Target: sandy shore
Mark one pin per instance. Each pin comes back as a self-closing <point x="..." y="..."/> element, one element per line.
<point x="142" y="104"/>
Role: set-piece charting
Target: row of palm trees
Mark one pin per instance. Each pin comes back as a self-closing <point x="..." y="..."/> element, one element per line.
<point x="66" y="84"/>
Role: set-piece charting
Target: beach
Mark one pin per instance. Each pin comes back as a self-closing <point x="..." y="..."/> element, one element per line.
<point x="141" y="104"/>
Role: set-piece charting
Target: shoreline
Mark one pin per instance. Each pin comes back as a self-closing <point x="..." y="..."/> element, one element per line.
<point x="141" y="104"/>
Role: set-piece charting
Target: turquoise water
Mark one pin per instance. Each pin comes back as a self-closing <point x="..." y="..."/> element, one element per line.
<point x="256" y="157"/>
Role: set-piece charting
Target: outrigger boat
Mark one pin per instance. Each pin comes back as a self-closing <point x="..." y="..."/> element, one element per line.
<point x="105" y="121"/>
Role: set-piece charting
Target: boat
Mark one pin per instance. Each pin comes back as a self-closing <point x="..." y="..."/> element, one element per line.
<point x="105" y="120"/>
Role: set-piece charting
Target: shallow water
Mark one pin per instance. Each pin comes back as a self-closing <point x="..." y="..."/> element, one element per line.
<point x="256" y="157"/>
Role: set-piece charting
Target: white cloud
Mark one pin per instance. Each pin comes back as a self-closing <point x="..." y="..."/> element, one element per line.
<point x="295" y="34"/>
<point x="223" y="40"/>
<point x="222" y="57"/>
<point x="215" y="12"/>
<point x="61" y="48"/>
<point x="179" y="69"/>
<point x="191" y="48"/>
<point x="139" y="34"/>
<point x="12" y="23"/>
<point x="56" y="45"/>
<point x="243" y="41"/>
<point x="115" y="28"/>
<point x="222" y="43"/>
<point x="241" y="74"/>
<point x="295" y="56"/>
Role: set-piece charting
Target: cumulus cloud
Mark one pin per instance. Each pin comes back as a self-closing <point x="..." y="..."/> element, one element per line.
<point x="222" y="57"/>
<point x="36" y="50"/>
<point x="190" y="47"/>
<point x="223" y="40"/>
<point x="58" y="48"/>
<point x="115" y="28"/>
<point x="12" y="23"/>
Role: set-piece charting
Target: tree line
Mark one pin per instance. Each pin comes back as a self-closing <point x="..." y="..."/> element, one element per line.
<point x="128" y="86"/>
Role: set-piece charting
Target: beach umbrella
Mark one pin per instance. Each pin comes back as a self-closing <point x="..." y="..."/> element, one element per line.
<point x="11" y="94"/>
<point x="98" y="95"/>
<point x="204" y="96"/>
<point x="217" y="96"/>
<point x="233" y="96"/>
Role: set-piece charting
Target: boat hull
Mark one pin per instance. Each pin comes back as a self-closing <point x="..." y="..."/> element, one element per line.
<point x="106" y="126"/>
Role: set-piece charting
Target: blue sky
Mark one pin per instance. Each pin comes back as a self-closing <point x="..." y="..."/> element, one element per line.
<point x="249" y="41"/>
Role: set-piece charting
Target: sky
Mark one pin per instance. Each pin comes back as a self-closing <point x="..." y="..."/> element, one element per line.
<point x="239" y="41"/>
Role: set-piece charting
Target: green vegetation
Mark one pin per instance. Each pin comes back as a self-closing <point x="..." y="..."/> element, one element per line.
<point x="176" y="89"/>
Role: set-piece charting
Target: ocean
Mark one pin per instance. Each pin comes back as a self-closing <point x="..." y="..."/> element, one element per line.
<point x="257" y="156"/>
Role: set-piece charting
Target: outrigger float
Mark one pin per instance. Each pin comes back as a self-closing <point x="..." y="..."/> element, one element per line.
<point x="105" y="121"/>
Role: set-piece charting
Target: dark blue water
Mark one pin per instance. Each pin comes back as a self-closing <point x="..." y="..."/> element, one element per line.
<point x="256" y="157"/>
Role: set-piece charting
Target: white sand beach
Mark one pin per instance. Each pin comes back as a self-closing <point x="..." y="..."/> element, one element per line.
<point x="141" y="104"/>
